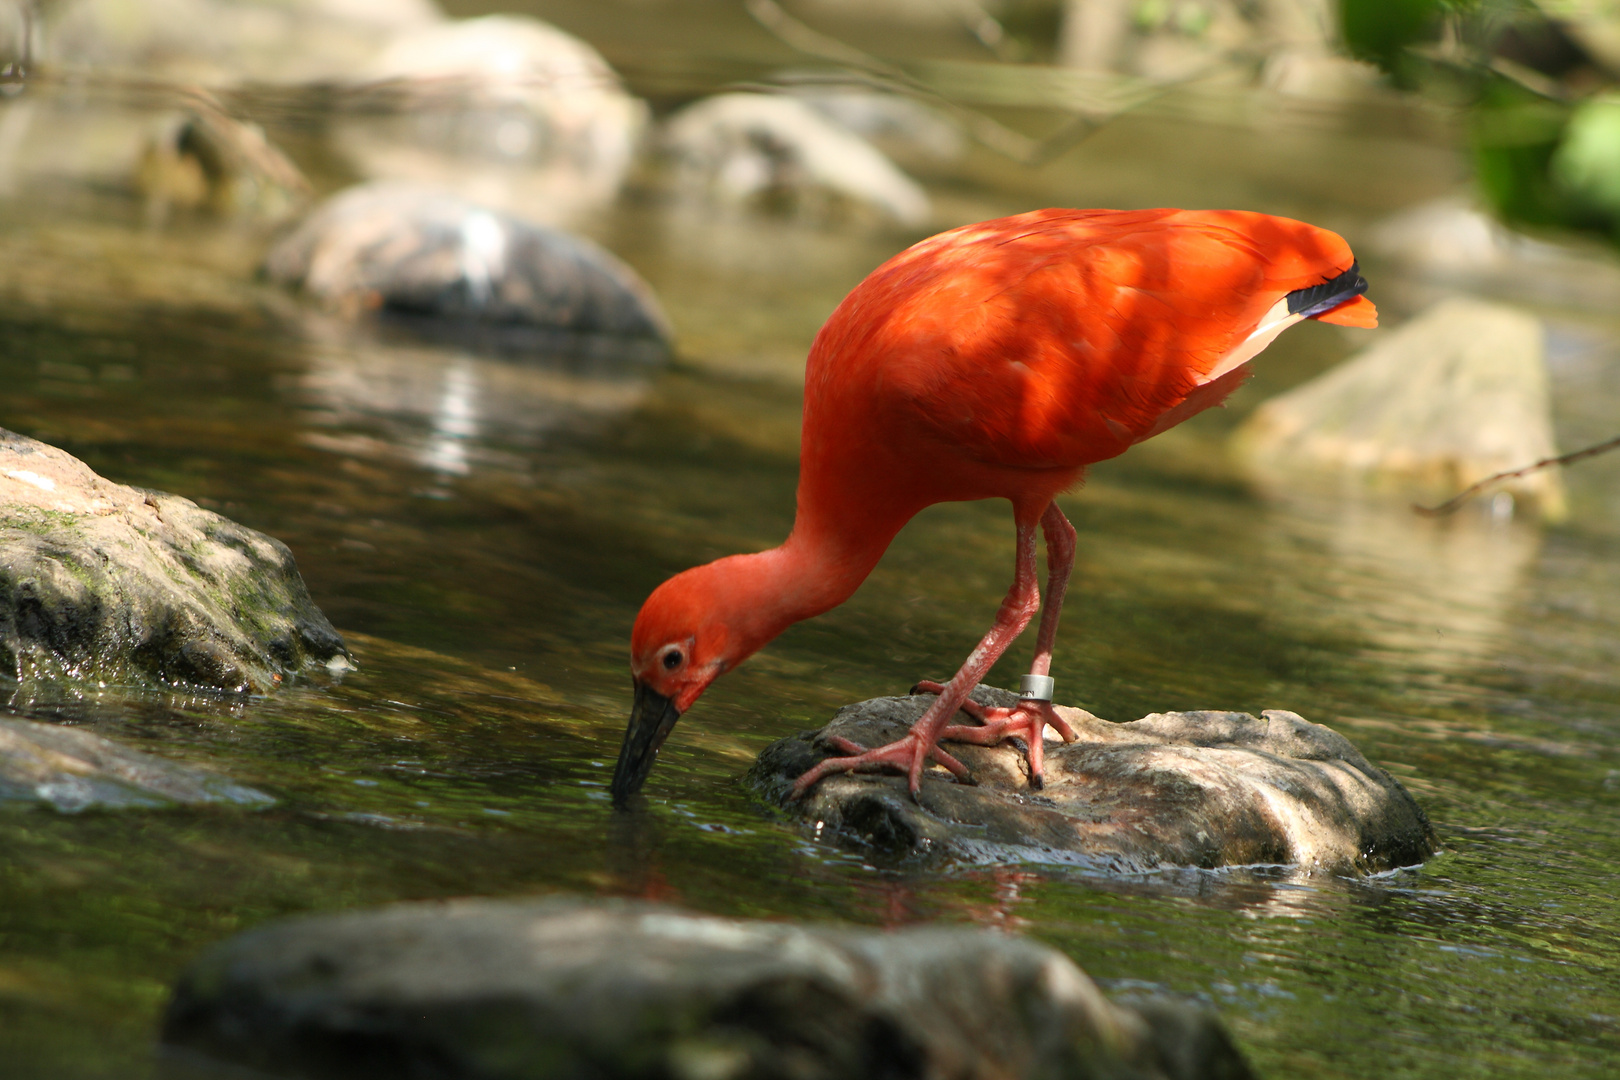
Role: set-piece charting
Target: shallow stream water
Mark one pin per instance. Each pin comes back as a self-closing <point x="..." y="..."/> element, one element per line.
<point x="482" y="531"/>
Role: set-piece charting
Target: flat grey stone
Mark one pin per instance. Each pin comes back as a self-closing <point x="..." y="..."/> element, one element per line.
<point x="102" y="582"/>
<point x="1192" y="789"/>
<point x="71" y="770"/>
<point x="570" y="988"/>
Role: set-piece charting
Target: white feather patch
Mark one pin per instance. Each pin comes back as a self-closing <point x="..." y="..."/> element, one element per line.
<point x="1273" y="323"/>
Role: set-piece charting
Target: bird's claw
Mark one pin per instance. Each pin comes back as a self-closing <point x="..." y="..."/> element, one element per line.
<point x="838" y="742"/>
<point x="904" y="755"/>
<point x="1023" y="723"/>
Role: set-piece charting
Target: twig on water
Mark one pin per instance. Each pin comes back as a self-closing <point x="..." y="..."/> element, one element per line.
<point x="1451" y="504"/>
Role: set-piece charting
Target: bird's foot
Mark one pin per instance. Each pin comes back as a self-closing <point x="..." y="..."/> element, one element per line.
<point x="906" y="755"/>
<point x="1026" y="721"/>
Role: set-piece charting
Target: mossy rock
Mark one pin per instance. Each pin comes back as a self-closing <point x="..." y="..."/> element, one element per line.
<point x="112" y="584"/>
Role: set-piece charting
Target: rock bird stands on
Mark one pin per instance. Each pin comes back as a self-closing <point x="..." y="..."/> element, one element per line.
<point x="997" y="360"/>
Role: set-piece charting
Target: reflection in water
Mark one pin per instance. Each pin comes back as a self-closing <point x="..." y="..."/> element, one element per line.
<point x="1436" y="591"/>
<point x="455" y="420"/>
<point x="634" y="842"/>
<point x="448" y="411"/>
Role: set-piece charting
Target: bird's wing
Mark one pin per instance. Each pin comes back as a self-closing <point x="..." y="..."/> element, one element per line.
<point x="1062" y="337"/>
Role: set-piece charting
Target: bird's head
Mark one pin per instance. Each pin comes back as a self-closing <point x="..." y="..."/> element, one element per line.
<point x="692" y="629"/>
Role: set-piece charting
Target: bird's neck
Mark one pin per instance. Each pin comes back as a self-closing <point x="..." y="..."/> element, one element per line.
<point x="814" y="570"/>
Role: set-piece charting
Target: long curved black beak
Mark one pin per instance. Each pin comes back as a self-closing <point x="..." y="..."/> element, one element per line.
<point x="652" y="718"/>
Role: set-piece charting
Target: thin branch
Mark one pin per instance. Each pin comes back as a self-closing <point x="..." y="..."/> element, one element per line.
<point x="990" y="133"/>
<point x="1451" y="504"/>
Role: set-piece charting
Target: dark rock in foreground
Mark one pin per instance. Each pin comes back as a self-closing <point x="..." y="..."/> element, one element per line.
<point x="109" y="583"/>
<point x="70" y="770"/>
<point x="1195" y="789"/>
<point x="449" y="265"/>
<point x="604" y="989"/>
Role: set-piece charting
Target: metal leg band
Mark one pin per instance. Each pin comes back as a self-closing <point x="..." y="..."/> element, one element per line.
<point x="1036" y="688"/>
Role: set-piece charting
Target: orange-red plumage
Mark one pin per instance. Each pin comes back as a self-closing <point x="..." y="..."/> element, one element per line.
<point x="1053" y="339"/>
<point x="994" y="360"/>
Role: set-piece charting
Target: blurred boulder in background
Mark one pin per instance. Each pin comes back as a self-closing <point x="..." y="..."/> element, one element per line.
<point x="179" y="52"/>
<point x="507" y="109"/>
<point x="1453" y="396"/>
<point x="1172" y="40"/>
<point x="1450" y="243"/>
<point x="218" y="42"/>
<point x="415" y="251"/>
<point x="1447" y="235"/>
<point x="777" y="153"/>
<point x="900" y="127"/>
<point x="207" y="160"/>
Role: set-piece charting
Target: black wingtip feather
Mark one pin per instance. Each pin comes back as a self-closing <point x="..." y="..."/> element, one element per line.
<point x="1329" y="294"/>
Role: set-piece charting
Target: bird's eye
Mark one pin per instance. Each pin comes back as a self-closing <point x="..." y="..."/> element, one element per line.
<point x="672" y="659"/>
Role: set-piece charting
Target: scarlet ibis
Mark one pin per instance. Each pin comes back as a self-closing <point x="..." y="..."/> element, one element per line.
<point x="996" y="360"/>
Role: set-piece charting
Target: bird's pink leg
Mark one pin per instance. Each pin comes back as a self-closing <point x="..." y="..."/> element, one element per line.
<point x="911" y="753"/>
<point x="1028" y="719"/>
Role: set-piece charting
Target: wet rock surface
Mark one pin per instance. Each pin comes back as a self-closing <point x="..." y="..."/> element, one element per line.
<point x="99" y="581"/>
<point x="443" y="263"/>
<point x="1192" y="789"/>
<point x="70" y="770"/>
<point x="565" y="987"/>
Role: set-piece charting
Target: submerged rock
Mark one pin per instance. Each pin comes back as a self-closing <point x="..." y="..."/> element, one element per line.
<point x="607" y="988"/>
<point x="775" y="152"/>
<point x="1199" y="789"/>
<point x="1441" y="402"/>
<point x="104" y="582"/>
<point x="418" y="251"/>
<point x="71" y="770"/>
